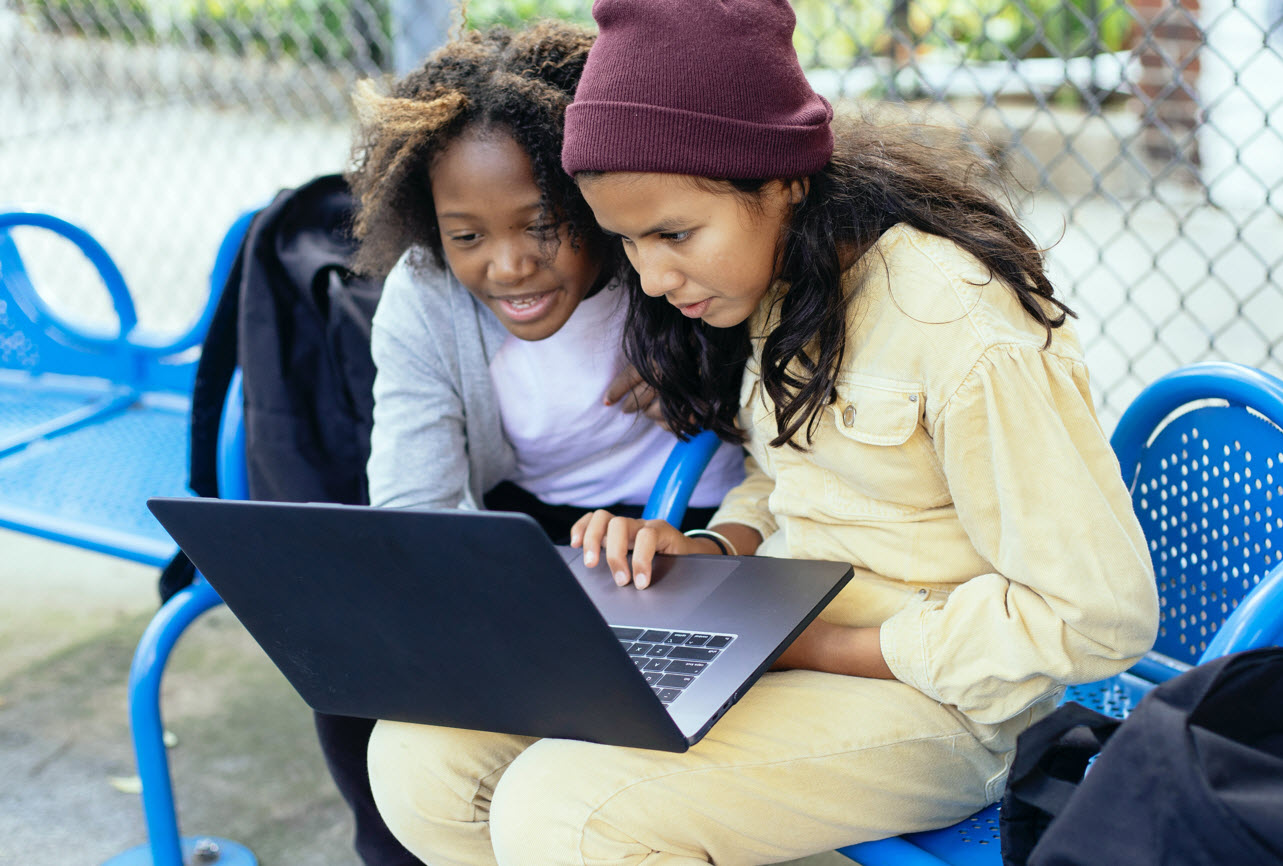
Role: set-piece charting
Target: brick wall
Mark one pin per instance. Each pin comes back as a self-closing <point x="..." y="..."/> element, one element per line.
<point x="1167" y="42"/>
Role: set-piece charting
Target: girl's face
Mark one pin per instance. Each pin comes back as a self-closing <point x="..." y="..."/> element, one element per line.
<point x="498" y="240"/>
<point x="711" y="254"/>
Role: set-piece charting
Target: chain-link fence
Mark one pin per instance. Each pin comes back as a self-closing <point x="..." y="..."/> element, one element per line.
<point x="1146" y="138"/>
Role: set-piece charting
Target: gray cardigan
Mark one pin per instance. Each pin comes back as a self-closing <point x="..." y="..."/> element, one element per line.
<point x="438" y="439"/>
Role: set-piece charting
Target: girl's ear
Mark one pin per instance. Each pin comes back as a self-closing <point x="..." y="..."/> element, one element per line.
<point x="797" y="189"/>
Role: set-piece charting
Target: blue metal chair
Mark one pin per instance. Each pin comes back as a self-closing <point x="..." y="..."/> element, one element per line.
<point x="1201" y="450"/>
<point x="73" y="397"/>
<point x="93" y="422"/>
<point x="165" y="847"/>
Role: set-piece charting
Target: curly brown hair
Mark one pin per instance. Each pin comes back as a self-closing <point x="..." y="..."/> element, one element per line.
<point x="518" y="82"/>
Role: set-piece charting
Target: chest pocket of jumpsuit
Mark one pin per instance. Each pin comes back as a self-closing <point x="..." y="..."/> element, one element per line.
<point x="877" y="458"/>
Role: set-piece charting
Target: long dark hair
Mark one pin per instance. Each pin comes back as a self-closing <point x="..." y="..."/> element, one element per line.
<point x="876" y="179"/>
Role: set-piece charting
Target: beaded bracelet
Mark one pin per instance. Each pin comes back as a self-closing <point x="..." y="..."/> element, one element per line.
<point x="720" y="540"/>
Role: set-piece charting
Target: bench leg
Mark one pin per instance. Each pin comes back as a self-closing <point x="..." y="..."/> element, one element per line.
<point x="164" y="847"/>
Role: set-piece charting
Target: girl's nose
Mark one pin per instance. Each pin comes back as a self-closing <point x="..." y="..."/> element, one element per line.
<point x="657" y="279"/>
<point x="511" y="264"/>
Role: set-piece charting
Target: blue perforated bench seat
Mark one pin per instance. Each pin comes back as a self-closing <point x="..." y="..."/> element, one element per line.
<point x="86" y="482"/>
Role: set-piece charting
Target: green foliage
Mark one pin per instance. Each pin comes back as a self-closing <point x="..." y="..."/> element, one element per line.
<point x="515" y="13"/>
<point x="837" y="34"/>
<point x="333" y="31"/>
<point x="354" y="32"/>
<point x="995" y="30"/>
<point x="126" y="20"/>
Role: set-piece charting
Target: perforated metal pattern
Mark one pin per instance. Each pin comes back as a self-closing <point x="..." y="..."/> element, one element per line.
<point x="21" y="409"/>
<point x="1210" y="499"/>
<point x="94" y="477"/>
<point x="973" y="842"/>
<point x="1116" y="696"/>
<point x="17" y="351"/>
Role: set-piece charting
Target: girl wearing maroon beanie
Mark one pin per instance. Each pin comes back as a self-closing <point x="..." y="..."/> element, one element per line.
<point x="882" y="337"/>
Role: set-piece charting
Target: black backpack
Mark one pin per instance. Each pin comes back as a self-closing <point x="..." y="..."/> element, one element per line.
<point x="1193" y="777"/>
<point x="297" y="322"/>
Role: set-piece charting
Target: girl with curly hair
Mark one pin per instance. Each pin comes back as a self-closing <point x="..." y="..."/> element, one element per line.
<point x="501" y="381"/>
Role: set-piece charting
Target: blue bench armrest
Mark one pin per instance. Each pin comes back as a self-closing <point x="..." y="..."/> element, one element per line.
<point x="15" y="279"/>
<point x="672" y="491"/>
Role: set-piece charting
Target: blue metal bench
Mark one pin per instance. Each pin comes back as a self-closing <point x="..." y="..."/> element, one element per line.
<point x="1201" y="450"/>
<point x="92" y="422"/>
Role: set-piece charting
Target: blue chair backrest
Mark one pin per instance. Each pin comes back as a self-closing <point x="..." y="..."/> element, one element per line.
<point x="1207" y="485"/>
<point x="36" y="340"/>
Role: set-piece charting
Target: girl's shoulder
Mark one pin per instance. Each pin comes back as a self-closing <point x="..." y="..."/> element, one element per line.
<point x="425" y="307"/>
<point x="941" y="269"/>
<point x="925" y="313"/>
<point x="416" y="282"/>
<point x="419" y="294"/>
<point x="934" y="286"/>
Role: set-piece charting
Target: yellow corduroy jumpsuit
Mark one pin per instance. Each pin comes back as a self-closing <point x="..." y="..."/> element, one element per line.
<point x="964" y="474"/>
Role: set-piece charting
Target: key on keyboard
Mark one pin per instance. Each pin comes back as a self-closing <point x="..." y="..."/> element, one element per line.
<point x="670" y="660"/>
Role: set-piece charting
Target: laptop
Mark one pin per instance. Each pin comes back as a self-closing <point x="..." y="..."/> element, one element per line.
<point x="474" y="619"/>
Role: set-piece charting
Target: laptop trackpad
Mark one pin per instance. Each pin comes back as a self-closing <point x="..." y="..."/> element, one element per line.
<point x="681" y="584"/>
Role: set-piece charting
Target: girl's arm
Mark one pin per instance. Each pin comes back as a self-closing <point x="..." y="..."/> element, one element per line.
<point x="837" y="649"/>
<point x="1071" y="597"/>
<point x="822" y="646"/>
<point x="417" y="444"/>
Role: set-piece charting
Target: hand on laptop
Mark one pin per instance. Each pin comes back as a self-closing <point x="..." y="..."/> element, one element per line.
<point x="600" y="532"/>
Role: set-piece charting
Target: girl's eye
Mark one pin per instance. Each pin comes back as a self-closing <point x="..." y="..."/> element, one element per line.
<point x="464" y="238"/>
<point x="676" y="237"/>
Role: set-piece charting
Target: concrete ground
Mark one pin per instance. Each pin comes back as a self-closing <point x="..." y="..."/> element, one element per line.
<point x="244" y="759"/>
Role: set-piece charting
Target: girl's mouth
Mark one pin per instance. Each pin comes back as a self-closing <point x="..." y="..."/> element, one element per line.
<point x="527" y="307"/>
<point x="694" y="311"/>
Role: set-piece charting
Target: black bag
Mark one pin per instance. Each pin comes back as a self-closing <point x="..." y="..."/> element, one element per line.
<point x="297" y="321"/>
<point x="1193" y="777"/>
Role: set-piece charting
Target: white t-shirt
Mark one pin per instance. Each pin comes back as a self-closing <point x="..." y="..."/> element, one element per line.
<point x="571" y="448"/>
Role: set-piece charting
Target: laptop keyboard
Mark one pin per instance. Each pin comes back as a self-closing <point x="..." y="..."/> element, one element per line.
<point x="670" y="660"/>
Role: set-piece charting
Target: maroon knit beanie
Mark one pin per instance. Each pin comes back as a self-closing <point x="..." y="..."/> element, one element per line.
<point x="711" y="88"/>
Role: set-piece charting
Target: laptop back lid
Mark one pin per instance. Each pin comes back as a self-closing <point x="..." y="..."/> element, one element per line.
<point x="428" y="617"/>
